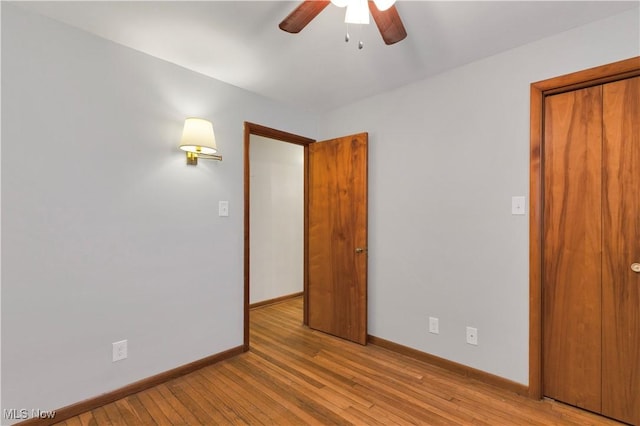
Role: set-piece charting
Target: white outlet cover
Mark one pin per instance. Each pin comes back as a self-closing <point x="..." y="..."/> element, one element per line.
<point x="433" y="325"/>
<point x="119" y="350"/>
<point x="472" y="336"/>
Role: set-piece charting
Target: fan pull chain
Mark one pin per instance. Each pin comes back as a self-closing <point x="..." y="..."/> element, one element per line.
<point x="347" y="37"/>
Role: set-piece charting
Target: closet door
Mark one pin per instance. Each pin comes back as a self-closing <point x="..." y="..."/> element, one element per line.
<point x="621" y="249"/>
<point x="572" y="248"/>
<point x="591" y="254"/>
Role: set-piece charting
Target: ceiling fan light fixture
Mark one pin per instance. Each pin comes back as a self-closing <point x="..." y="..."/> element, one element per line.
<point x="357" y="12"/>
<point x="387" y="20"/>
<point x="340" y="3"/>
<point x="383" y="5"/>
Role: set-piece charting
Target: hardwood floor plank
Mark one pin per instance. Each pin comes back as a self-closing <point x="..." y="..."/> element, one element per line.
<point x="211" y="401"/>
<point x="171" y="414"/>
<point x="324" y="396"/>
<point x="86" y="419"/>
<point x="101" y="417"/>
<point x="200" y="407"/>
<point x="178" y="406"/>
<point x="74" y="421"/>
<point x="249" y="406"/>
<point x="266" y="384"/>
<point x="296" y="376"/>
<point x="297" y="395"/>
<point x="277" y="412"/>
<point x="152" y="407"/>
<point x="140" y="411"/>
<point x="127" y="413"/>
<point x="114" y="414"/>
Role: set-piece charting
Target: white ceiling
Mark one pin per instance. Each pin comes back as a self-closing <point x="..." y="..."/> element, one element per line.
<point x="239" y="42"/>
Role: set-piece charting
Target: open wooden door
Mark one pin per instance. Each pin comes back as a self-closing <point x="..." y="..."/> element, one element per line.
<point x="337" y="237"/>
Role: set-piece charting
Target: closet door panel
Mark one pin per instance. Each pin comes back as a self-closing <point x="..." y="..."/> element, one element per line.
<point x="572" y="248"/>
<point x="621" y="248"/>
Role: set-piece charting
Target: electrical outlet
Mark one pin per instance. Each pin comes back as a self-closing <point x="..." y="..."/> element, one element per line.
<point x="119" y="350"/>
<point x="433" y="325"/>
<point x="472" y="336"/>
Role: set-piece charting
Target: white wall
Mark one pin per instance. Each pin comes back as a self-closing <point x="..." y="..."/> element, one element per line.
<point x="446" y="155"/>
<point x="107" y="234"/>
<point x="276" y="218"/>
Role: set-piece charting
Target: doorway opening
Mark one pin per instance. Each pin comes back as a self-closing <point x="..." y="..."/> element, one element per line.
<point x="263" y="136"/>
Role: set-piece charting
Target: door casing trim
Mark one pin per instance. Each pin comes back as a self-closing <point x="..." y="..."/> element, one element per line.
<point x="603" y="74"/>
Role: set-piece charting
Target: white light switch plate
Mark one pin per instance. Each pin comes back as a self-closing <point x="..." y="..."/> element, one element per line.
<point x="433" y="325"/>
<point x="517" y="205"/>
<point x="223" y="208"/>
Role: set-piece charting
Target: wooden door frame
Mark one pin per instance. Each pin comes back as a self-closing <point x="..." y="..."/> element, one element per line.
<point x="267" y="132"/>
<point x="603" y="74"/>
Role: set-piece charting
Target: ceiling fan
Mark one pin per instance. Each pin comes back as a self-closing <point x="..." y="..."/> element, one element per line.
<point x="383" y="11"/>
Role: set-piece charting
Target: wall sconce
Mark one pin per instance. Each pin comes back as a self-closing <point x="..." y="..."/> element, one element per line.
<point x="199" y="141"/>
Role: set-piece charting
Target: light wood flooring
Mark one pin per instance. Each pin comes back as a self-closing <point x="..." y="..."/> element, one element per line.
<point x="295" y="376"/>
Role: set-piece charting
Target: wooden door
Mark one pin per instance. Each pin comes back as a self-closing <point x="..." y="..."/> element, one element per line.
<point x="572" y="248"/>
<point x="337" y="237"/>
<point x="591" y="222"/>
<point x="621" y="248"/>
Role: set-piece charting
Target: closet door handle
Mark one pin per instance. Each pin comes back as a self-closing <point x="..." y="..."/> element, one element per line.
<point x="635" y="267"/>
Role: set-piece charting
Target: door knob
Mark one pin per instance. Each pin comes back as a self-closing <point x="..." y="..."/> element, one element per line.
<point x="635" y="267"/>
<point x="360" y="250"/>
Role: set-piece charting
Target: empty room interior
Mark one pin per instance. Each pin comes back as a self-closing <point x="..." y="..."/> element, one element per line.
<point x="320" y="212"/>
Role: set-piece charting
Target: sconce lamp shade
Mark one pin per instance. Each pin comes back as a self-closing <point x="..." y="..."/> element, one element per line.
<point x="198" y="137"/>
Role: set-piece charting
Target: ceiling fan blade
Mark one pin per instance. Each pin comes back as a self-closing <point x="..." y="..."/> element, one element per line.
<point x="389" y="23"/>
<point x="302" y="15"/>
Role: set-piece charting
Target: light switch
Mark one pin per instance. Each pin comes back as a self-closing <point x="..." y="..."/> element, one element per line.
<point x="517" y="205"/>
<point x="223" y="208"/>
